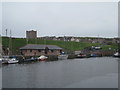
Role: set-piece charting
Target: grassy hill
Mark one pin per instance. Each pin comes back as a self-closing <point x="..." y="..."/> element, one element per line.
<point x="69" y="46"/>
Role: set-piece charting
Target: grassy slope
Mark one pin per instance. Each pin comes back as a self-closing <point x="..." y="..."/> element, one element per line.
<point x="113" y="47"/>
<point x="71" y="46"/>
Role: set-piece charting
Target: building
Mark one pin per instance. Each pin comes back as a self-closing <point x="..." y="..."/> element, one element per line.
<point x="31" y="34"/>
<point x="37" y="50"/>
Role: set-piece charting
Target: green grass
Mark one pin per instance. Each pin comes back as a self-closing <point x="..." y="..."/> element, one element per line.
<point x="68" y="45"/>
<point x="113" y="47"/>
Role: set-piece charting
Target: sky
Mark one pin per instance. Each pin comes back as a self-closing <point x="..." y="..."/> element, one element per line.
<point x="81" y="19"/>
<point x="0" y="18"/>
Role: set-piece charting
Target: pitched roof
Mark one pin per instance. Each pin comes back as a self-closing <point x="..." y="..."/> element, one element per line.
<point x="37" y="46"/>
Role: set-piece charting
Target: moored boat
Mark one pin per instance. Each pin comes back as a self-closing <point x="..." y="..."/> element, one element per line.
<point x="62" y="57"/>
<point x="5" y="59"/>
<point x="0" y="60"/>
<point x="93" y="55"/>
<point x="42" y="58"/>
<point x="81" y="55"/>
<point x="13" y="61"/>
<point x="117" y="54"/>
<point x="30" y="59"/>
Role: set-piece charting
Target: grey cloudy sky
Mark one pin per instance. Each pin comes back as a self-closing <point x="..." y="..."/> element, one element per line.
<point x="59" y="19"/>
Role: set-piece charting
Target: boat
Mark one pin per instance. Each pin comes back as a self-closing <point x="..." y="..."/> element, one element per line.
<point x="81" y="55"/>
<point x="93" y="55"/>
<point x="42" y="58"/>
<point x="5" y="59"/>
<point x="12" y="61"/>
<point x="30" y="59"/>
<point x="0" y="60"/>
<point x="62" y="56"/>
<point x="117" y="54"/>
<point x="9" y="60"/>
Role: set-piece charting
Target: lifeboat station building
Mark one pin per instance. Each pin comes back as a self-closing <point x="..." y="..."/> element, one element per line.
<point x="37" y="50"/>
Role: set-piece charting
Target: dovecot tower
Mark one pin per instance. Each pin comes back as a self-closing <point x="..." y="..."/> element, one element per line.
<point x="31" y="34"/>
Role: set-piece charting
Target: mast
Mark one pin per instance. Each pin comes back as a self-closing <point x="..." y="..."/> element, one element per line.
<point x="0" y="46"/>
<point x="10" y="43"/>
<point x="6" y="32"/>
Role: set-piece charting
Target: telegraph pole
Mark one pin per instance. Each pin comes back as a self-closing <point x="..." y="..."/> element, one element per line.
<point x="6" y="32"/>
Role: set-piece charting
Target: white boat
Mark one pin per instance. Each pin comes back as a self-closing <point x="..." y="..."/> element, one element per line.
<point x="12" y="61"/>
<point x="5" y="59"/>
<point x="62" y="57"/>
<point x="42" y="58"/>
<point x="117" y="54"/>
<point x="0" y="60"/>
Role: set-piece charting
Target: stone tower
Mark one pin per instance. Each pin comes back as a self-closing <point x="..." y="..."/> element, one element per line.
<point x="31" y="34"/>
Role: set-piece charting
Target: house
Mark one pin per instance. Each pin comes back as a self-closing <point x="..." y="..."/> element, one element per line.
<point x="77" y="40"/>
<point x="72" y="39"/>
<point x="37" y="50"/>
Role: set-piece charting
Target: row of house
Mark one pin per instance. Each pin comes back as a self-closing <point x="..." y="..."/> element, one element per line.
<point x="82" y="39"/>
<point x="33" y="34"/>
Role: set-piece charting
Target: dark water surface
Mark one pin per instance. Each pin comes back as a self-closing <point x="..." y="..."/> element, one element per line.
<point x="73" y="73"/>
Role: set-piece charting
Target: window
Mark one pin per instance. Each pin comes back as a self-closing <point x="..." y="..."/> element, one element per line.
<point x="52" y="51"/>
<point x="39" y="50"/>
<point x="25" y="51"/>
<point x="30" y="50"/>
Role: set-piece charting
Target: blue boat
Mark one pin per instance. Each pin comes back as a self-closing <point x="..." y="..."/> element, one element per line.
<point x="94" y="55"/>
<point x="30" y="59"/>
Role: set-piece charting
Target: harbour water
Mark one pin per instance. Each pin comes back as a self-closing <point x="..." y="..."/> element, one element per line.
<point x="101" y="72"/>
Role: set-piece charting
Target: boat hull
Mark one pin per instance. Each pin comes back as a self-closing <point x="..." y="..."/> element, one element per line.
<point x="81" y="56"/>
<point x="62" y="57"/>
<point x="117" y="55"/>
<point x="42" y="58"/>
<point x="12" y="62"/>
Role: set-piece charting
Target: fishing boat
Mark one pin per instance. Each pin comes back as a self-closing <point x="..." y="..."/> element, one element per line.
<point x="42" y="58"/>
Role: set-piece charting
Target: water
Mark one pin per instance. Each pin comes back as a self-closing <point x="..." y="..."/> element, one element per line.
<point x="74" y="73"/>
